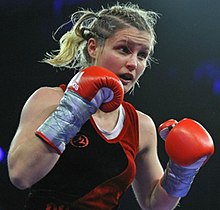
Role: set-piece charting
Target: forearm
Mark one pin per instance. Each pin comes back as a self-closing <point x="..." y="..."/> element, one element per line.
<point x="160" y="200"/>
<point x="30" y="161"/>
<point x="153" y="196"/>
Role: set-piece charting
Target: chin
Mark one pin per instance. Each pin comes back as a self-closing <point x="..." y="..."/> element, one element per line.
<point x="127" y="89"/>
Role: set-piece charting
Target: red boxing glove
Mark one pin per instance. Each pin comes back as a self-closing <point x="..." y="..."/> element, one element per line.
<point x="92" y="88"/>
<point x="189" y="146"/>
<point x="99" y="86"/>
<point x="187" y="141"/>
<point x="166" y="127"/>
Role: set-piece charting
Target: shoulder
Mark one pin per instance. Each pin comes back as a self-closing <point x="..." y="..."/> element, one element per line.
<point x="145" y="119"/>
<point x="40" y="101"/>
<point x="146" y="128"/>
<point x="45" y="96"/>
<point x="147" y="131"/>
<point x="54" y="93"/>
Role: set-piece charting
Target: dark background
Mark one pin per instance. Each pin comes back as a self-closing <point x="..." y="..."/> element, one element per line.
<point x="184" y="83"/>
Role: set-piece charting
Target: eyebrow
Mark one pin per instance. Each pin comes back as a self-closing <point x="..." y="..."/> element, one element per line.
<point x="130" y="42"/>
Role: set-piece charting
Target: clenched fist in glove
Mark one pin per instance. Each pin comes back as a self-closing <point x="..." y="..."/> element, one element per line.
<point x="189" y="146"/>
<point x="91" y="89"/>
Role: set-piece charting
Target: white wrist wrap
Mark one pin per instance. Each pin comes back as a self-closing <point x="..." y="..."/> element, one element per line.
<point x="177" y="179"/>
<point x="66" y="121"/>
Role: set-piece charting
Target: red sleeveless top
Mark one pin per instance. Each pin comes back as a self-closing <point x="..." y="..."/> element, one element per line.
<point x="93" y="172"/>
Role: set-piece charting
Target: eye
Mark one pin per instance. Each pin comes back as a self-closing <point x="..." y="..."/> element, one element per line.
<point x="124" y="50"/>
<point x="142" y="55"/>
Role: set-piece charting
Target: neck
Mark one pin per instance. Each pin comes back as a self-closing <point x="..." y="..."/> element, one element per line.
<point x="106" y="121"/>
<point x="101" y="114"/>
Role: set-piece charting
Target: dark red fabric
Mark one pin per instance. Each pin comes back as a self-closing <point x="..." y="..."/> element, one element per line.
<point x="92" y="177"/>
<point x="63" y="86"/>
<point x="107" y="195"/>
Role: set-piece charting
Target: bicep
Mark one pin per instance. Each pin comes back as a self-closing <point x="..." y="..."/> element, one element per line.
<point x="149" y="169"/>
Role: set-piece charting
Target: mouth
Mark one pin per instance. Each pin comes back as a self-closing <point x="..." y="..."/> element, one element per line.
<point x="126" y="78"/>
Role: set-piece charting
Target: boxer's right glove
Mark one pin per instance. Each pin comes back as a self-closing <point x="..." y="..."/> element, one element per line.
<point x="189" y="146"/>
<point x="92" y="88"/>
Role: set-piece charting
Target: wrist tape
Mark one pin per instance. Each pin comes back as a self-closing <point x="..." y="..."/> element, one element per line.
<point x="177" y="179"/>
<point x="66" y="121"/>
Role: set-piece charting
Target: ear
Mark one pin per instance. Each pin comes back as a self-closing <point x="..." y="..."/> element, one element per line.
<point x="92" y="47"/>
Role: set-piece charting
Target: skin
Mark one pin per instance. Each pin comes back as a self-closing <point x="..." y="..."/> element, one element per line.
<point x="30" y="158"/>
<point x="129" y="51"/>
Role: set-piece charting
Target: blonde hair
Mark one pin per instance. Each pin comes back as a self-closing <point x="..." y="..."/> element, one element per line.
<point x="99" y="25"/>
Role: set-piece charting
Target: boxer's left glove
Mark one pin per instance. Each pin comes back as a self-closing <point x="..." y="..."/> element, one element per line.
<point x="189" y="147"/>
<point x="90" y="89"/>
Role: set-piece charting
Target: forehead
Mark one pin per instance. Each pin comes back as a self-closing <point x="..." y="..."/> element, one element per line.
<point x="132" y="36"/>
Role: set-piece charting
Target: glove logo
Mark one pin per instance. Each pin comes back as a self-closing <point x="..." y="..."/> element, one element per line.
<point x="79" y="141"/>
<point x="75" y="86"/>
<point x="74" y="82"/>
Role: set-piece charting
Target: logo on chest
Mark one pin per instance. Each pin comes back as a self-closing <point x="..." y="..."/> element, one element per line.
<point x="79" y="141"/>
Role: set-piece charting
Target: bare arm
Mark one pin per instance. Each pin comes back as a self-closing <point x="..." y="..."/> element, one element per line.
<point x="146" y="185"/>
<point x="30" y="158"/>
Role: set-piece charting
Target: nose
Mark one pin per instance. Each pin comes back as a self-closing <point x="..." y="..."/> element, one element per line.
<point x="132" y="62"/>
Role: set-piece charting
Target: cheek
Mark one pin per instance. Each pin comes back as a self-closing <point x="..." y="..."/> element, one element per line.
<point x="109" y="61"/>
<point x="141" y="71"/>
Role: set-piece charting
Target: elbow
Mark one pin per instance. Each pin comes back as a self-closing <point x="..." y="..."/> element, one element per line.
<point x="17" y="175"/>
<point x="19" y="180"/>
<point x="19" y="183"/>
